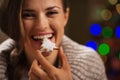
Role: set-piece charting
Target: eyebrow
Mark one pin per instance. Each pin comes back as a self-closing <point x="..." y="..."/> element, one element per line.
<point x="49" y="8"/>
<point x="28" y="10"/>
<point x="52" y="7"/>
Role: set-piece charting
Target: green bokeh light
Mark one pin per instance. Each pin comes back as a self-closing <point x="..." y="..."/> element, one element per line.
<point x="119" y="56"/>
<point x="107" y="32"/>
<point x="103" y="49"/>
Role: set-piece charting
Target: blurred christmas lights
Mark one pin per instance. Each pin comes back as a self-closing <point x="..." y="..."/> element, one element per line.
<point x="119" y="55"/>
<point x="95" y="29"/>
<point x="92" y="44"/>
<point x="103" y="49"/>
<point x="112" y="2"/>
<point x="118" y="8"/>
<point x="107" y="32"/>
<point x="106" y="37"/>
<point x="117" y="33"/>
<point x="106" y="14"/>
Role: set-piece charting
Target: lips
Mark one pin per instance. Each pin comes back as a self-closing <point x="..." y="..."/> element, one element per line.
<point x="37" y="39"/>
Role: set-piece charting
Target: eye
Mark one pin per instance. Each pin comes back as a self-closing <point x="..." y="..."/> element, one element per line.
<point x="28" y="15"/>
<point x="51" y="13"/>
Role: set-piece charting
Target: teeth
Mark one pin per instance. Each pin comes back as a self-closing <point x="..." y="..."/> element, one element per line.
<point x="42" y="36"/>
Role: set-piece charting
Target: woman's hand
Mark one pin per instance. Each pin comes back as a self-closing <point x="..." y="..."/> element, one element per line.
<point x="41" y="69"/>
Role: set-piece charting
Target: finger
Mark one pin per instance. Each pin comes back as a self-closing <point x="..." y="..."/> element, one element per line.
<point x="36" y="70"/>
<point x="32" y="76"/>
<point x="63" y="58"/>
<point x="38" y="55"/>
<point x="45" y="75"/>
<point x="48" y="67"/>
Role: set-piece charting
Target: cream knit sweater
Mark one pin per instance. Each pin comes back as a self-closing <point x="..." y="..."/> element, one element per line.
<point x="85" y="63"/>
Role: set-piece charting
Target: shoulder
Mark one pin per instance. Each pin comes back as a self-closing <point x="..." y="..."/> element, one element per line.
<point x="85" y="62"/>
<point x="4" y="48"/>
<point x="71" y="47"/>
<point x="6" y="45"/>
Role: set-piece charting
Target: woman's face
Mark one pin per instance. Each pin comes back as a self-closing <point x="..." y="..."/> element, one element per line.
<point x="43" y="18"/>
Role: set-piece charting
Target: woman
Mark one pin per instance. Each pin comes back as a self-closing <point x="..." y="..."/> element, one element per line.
<point x="27" y="23"/>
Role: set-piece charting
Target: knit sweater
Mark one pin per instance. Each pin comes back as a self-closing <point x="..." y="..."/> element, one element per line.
<point x="85" y="63"/>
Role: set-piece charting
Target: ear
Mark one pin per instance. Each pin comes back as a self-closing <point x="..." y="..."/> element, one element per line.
<point x="67" y="15"/>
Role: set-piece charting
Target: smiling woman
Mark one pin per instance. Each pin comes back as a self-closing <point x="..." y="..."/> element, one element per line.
<point x="28" y="23"/>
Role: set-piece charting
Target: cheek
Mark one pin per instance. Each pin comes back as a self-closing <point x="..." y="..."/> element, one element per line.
<point x="58" y="25"/>
<point x="27" y="27"/>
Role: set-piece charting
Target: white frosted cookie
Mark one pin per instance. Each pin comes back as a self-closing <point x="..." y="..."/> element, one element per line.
<point x="47" y="45"/>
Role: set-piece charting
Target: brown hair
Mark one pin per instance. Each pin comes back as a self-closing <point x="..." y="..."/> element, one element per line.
<point x="66" y="4"/>
<point x="9" y="18"/>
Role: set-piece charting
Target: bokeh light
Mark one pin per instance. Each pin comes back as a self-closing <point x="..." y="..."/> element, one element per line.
<point x="118" y="8"/>
<point x="107" y="32"/>
<point x="117" y="33"/>
<point x="119" y="56"/>
<point x="115" y="63"/>
<point x="95" y="29"/>
<point x="113" y="2"/>
<point x="103" y="49"/>
<point x="92" y="44"/>
<point x="106" y="14"/>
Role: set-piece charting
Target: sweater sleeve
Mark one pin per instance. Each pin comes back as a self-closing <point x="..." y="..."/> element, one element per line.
<point x="85" y="63"/>
<point x="4" y="47"/>
<point x="3" y="67"/>
<point x="7" y="45"/>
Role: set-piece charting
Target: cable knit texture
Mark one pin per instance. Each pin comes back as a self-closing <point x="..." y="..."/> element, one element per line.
<point x="85" y="63"/>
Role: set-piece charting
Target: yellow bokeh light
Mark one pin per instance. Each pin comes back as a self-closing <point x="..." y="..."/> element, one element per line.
<point x="118" y="8"/>
<point x="113" y="2"/>
<point x="106" y="14"/>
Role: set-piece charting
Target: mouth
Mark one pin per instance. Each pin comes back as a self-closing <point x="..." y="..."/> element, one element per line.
<point x="37" y="40"/>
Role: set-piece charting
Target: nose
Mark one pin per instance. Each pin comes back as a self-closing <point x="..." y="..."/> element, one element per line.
<point x="42" y="22"/>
